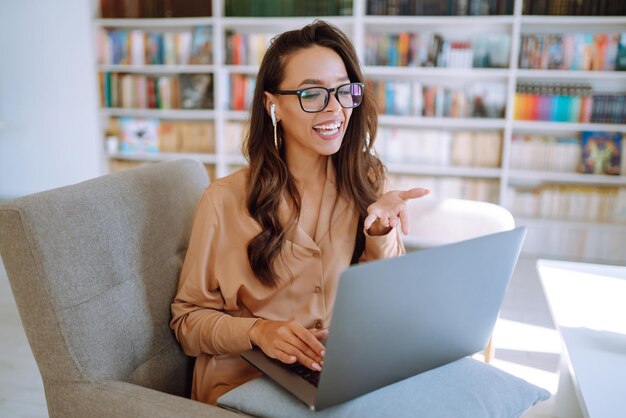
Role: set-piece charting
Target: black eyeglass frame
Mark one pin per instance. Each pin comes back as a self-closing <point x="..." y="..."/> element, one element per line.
<point x="330" y="91"/>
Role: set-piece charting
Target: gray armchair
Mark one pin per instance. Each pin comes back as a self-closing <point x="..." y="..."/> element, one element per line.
<point x="94" y="268"/>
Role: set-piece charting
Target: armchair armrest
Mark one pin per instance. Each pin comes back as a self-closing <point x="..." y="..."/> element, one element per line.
<point x="121" y="399"/>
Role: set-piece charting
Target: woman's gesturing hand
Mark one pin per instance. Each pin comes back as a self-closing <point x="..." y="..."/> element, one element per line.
<point x="385" y="213"/>
<point x="288" y="341"/>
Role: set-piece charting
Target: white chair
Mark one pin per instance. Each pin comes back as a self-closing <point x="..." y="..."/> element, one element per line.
<point x="444" y="221"/>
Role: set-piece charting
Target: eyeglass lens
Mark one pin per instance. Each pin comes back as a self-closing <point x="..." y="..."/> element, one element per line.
<point x="315" y="99"/>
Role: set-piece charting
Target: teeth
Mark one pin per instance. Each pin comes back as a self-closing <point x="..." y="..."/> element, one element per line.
<point x="331" y="126"/>
<point x="327" y="132"/>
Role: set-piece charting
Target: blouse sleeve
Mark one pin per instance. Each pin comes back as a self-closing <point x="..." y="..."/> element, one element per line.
<point x="383" y="246"/>
<point x="198" y="320"/>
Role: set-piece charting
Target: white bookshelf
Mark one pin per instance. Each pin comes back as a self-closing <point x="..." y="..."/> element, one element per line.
<point x="158" y="69"/>
<point x="164" y="156"/>
<point x="356" y="26"/>
<point x="187" y="114"/>
<point x="566" y="178"/>
<point x="438" y="122"/>
<point x="447" y="171"/>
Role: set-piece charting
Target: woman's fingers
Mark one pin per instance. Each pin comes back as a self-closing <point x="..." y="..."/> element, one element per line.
<point x="414" y="193"/>
<point x="302" y="344"/>
<point x="287" y="342"/>
<point x="390" y="209"/>
<point x="311" y="346"/>
<point x="284" y="356"/>
<point x="298" y="353"/>
<point x="321" y="335"/>
<point x="371" y="218"/>
<point x="405" y="221"/>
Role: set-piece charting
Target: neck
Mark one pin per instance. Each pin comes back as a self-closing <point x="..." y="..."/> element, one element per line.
<point x="308" y="170"/>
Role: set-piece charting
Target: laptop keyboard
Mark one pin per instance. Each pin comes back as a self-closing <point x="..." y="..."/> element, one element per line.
<point x="309" y="375"/>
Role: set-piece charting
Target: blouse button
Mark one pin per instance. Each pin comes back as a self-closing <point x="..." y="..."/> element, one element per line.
<point x="318" y="289"/>
<point x="316" y="254"/>
<point x="318" y="324"/>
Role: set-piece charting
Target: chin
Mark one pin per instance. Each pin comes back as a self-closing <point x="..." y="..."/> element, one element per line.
<point x="331" y="147"/>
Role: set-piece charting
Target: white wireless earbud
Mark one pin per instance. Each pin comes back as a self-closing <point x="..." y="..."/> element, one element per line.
<point x="273" y="113"/>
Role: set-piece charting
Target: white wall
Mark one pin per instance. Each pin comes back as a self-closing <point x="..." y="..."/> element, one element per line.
<point x="49" y="133"/>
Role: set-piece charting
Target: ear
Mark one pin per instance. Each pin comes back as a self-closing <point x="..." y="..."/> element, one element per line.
<point x="269" y="99"/>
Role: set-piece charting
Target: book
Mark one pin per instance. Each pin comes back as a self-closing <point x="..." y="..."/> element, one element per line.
<point x="169" y="139"/>
<point x="202" y="45"/>
<point x="139" y="136"/>
<point x="196" y="91"/>
<point x="620" y="61"/>
<point x="601" y="152"/>
<point x="196" y="137"/>
<point x="154" y="8"/>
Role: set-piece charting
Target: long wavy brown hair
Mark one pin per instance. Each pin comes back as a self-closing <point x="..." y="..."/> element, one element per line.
<point x="360" y="174"/>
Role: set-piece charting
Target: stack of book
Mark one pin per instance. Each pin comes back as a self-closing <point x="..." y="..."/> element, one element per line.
<point x="139" y="91"/>
<point x="154" y="8"/>
<point x="137" y="136"/>
<point x="440" y="8"/>
<point x="138" y="47"/>
<point x="450" y="187"/>
<point x="440" y="148"/>
<point x="430" y="49"/>
<point x="287" y="8"/>
<point x="574" y="7"/>
<point x="572" y="203"/>
<point x="568" y="103"/>
<point x="545" y="153"/>
<point x="411" y="98"/>
<point x="246" y="48"/>
<point x="573" y="51"/>
<point x="235" y="133"/>
<point x="241" y="88"/>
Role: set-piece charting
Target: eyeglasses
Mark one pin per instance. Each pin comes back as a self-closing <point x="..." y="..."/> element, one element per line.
<point x="315" y="99"/>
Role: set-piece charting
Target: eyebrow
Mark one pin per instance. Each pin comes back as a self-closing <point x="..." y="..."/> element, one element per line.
<point x="317" y="81"/>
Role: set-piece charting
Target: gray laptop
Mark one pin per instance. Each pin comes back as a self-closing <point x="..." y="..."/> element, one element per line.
<point x="402" y="316"/>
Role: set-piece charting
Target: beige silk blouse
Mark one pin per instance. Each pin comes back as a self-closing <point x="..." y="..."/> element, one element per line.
<point x="219" y="298"/>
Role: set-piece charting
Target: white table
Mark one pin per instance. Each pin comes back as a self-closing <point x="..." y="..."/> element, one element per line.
<point x="588" y="305"/>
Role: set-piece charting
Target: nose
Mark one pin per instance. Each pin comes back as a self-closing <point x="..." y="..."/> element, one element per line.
<point x="333" y="104"/>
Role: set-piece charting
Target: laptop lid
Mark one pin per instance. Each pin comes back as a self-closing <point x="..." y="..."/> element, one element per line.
<point x="398" y="317"/>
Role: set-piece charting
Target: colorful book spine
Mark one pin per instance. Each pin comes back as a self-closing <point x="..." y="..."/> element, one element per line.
<point x="241" y="88"/>
<point x="133" y="9"/>
<point x="246" y="48"/>
<point x="575" y="7"/>
<point x="427" y="49"/>
<point x="139" y="47"/>
<point x="570" y="51"/>
<point x="139" y="91"/>
<point x="256" y="8"/>
<point x="568" y="103"/>
<point x="439" y="7"/>
<point x="408" y="98"/>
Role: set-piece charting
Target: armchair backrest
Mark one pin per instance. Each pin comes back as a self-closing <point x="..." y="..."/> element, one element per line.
<point x="94" y="267"/>
<point x="444" y="221"/>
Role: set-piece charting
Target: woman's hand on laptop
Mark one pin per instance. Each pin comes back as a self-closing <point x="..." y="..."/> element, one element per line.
<point x="389" y="210"/>
<point x="288" y="341"/>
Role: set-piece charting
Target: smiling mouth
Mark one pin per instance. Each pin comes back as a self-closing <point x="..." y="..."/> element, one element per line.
<point x="328" y="129"/>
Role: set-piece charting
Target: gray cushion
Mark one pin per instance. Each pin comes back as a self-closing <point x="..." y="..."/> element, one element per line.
<point x="465" y="388"/>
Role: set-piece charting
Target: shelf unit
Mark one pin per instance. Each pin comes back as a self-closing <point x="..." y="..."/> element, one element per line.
<point x="356" y="26"/>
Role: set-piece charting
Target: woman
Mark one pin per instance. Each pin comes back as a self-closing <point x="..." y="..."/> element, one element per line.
<point x="269" y="242"/>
